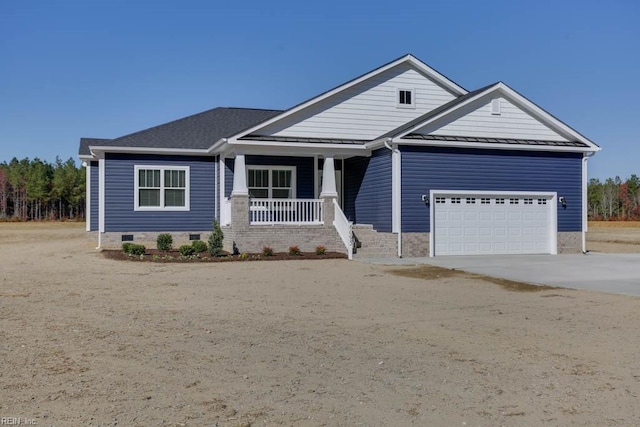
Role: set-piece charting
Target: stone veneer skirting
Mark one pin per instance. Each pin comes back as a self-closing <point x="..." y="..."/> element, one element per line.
<point x="569" y="242"/>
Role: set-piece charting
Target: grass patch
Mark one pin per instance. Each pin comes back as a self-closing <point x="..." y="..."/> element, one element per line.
<point x="431" y="272"/>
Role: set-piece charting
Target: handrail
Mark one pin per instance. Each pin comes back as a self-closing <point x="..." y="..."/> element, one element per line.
<point x="344" y="228"/>
<point x="286" y="211"/>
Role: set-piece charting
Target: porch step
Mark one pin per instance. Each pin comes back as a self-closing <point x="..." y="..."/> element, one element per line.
<point x="373" y="244"/>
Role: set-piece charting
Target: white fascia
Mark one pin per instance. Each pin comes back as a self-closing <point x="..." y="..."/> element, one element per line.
<point x="486" y="145"/>
<point x="97" y="150"/>
<point x="296" y="148"/>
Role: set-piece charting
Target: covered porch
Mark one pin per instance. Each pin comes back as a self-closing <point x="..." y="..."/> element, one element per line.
<point x="264" y="207"/>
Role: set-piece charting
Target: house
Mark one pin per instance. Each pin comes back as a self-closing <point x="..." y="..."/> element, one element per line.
<point x="400" y="161"/>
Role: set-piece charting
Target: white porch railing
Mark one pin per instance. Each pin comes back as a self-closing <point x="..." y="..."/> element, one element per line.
<point x="286" y="211"/>
<point x="344" y="228"/>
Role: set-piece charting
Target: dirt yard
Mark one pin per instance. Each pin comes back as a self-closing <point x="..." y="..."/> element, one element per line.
<point x="618" y="237"/>
<point x="91" y="341"/>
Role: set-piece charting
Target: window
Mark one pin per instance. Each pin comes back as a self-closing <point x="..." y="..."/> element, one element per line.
<point x="542" y="201"/>
<point x="406" y="98"/>
<point x="161" y="188"/>
<point x="514" y="201"/>
<point x="455" y="200"/>
<point x="471" y="200"/>
<point x="440" y="199"/>
<point x="271" y="182"/>
<point x="500" y="201"/>
<point x="485" y="201"/>
<point x="528" y="201"/>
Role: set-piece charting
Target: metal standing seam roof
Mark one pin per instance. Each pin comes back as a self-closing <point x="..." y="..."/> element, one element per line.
<point x="510" y="141"/>
<point x="197" y="132"/>
<point x="305" y="139"/>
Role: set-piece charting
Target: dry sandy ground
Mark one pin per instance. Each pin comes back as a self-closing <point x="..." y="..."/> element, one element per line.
<point x="621" y="237"/>
<point x="90" y="341"/>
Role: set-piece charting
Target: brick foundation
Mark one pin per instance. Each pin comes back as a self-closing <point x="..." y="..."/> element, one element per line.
<point x="570" y="242"/>
<point x="415" y="244"/>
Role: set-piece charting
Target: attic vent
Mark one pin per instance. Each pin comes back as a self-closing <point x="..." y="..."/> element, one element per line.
<point x="406" y="98"/>
<point x="495" y="107"/>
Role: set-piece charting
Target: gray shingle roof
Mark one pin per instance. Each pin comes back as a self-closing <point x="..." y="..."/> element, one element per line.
<point x="197" y="132"/>
<point x="86" y="142"/>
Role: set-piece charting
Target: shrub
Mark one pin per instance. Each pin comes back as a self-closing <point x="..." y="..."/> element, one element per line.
<point x="126" y="247"/>
<point x="215" y="240"/>
<point x="135" y="249"/>
<point x="186" y="250"/>
<point x="165" y="242"/>
<point x="199" y="246"/>
<point x="321" y="250"/>
<point x="267" y="251"/>
<point x="243" y="256"/>
<point x="294" y="250"/>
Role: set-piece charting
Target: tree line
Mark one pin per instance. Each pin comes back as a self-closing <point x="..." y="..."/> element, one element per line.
<point x="37" y="190"/>
<point x="614" y="199"/>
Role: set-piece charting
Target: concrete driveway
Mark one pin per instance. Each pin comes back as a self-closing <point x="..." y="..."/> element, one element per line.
<point x="614" y="273"/>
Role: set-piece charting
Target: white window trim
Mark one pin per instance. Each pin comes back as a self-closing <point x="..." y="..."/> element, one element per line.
<point x="161" y="208"/>
<point x="413" y="98"/>
<point x="270" y="168"/>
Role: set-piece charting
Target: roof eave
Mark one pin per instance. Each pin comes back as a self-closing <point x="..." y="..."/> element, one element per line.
<point x="295" y="148"/>
<point x="493" y="146"/>
<point x="97" y="150"/>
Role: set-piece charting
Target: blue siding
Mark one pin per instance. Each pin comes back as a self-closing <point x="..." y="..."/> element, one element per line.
<point x="432" y="168"/>
<point x="94" y="201"/>
<point x="304" y="172"/>
<point x="120" y="187"/>
<point x="367" y="190"/>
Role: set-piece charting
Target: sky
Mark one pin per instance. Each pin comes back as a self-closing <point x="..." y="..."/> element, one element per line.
<point x="107" y="68"/>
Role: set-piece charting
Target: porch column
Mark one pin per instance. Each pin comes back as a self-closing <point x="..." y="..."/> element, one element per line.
<point x="239" y="203"/>
<point x="328" y="178"/>
<point x="240" y="177"/>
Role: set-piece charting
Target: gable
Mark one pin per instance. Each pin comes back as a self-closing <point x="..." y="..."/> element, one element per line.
<point x="477" y="120"/>
<point x="366" y="110"/>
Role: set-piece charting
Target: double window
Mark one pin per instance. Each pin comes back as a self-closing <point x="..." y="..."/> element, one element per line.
<point x="271" y="182"/>
<point x="161" y="188"/>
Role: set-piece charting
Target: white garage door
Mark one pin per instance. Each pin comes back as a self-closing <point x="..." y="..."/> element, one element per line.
<point x="473" y="223"/>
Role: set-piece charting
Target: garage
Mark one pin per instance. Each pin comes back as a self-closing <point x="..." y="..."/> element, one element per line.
<point x="483" y="223"/>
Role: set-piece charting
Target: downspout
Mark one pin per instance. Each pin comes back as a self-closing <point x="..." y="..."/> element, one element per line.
<point x="396" y="186"/>
<point x="585" y="221"/>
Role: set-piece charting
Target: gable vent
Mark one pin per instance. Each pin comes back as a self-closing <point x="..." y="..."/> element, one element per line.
<point x="495" y="107"/>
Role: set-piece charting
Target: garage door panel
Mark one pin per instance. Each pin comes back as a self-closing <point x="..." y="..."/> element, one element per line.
<point x="468" y="224"/>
